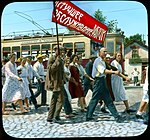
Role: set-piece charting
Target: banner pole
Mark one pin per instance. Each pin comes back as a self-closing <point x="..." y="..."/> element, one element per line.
<point x="56" y="27"/>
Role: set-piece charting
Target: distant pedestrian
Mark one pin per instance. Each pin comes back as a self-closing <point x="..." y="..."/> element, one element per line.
<point x="135" y="74"/>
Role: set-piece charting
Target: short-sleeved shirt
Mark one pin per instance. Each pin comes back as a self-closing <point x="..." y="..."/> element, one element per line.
<point x="99" y="67"/>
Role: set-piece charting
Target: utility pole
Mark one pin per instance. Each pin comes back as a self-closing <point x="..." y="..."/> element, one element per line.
<point x="56" y="27"/>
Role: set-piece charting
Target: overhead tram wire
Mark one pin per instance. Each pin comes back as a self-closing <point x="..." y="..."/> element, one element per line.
<point x="32" y="21"/>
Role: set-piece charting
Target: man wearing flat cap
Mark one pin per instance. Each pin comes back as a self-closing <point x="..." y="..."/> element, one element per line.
<point x="39" y="69"/>
<point x="54" y="82"/>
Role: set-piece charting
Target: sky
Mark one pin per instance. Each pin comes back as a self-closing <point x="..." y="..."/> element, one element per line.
<point x="131" y="16"/>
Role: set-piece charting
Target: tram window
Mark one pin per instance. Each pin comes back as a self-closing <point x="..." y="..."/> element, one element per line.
<point x="25" y="48"/>
<point x="6" y="49"/>
<point x="45" y="47"/>
<point x="110" y="47"/>
<point x="16" y="48"/>
<point x="68" y="45"/>
<point x="79" y="45"/>
<point x="35" y="47"/>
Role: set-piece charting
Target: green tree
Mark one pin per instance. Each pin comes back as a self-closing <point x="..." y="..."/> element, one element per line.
<point x="99" y="16"/>
<point x="137" y="37"/>
<point x="112" y="24"/>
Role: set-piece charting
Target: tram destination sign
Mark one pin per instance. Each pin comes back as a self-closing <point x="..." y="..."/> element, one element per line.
<point x="71" y="16"/>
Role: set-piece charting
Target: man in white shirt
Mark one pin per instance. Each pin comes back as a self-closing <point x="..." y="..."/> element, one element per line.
<point x="39" y="69"/>
<point x="135" y="74"/>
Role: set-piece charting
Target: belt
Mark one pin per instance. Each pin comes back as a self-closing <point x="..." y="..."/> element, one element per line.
<point x="42" y="75"/>
<point x="96" y="78"/>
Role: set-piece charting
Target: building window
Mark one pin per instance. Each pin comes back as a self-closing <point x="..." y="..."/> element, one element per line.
<point x="110" y="47"/>
<point x="135" y="53"/>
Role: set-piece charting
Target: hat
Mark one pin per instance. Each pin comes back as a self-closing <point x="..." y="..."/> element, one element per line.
<point x="39" y="56"/>
<point x="92" y="56"/>
<point x="107" y="56"/>
<point x="19" y="60"/>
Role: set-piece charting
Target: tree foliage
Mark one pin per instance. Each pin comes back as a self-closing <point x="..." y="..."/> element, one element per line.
<point x="112" y="24"/>
<point x="137" y="37"/>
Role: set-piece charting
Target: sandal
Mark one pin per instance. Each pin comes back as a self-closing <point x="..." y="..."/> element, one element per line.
<point x="24" y="111"/>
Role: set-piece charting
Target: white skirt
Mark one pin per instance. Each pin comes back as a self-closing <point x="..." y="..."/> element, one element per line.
<point x="12" y="90"/>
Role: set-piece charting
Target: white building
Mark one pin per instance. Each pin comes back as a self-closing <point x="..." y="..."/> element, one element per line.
<point x="136" y="56"/>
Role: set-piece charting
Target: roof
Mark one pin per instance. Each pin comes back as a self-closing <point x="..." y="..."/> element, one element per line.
<point x="138" y="42"/>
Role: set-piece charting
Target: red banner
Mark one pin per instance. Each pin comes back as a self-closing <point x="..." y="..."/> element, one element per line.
<point x="71" y="16"/>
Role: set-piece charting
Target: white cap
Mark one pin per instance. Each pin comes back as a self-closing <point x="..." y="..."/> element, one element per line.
<point x="107" y="56"/>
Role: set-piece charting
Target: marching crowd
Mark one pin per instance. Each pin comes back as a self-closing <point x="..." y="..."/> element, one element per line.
<point x="67" y="79"/>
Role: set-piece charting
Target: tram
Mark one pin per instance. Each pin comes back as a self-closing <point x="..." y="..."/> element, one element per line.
<point x="75" y="42"/>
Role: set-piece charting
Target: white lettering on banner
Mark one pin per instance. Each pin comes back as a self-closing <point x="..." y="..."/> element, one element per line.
<point x="97" y="32"/>
<point x="71" y="11"/>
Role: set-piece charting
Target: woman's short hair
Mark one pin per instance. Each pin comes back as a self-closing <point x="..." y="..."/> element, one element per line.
<point x="73" y="56"/>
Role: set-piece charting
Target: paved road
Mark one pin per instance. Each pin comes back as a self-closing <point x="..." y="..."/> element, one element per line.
<point x="34" y="124"/>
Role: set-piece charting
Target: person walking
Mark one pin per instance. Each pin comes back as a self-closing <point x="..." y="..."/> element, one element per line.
<point x="32" y="73"/>
<point x="25" y="81"/>
<point x="11" y="91"/>
<point x="67" y="96"/>
<point x="39" y="69"/>
<point x="75" y="87"/>
<point x="145" y="100"/>
<point x="135" y="74"/>
<point x="117" y="83"/>
<point x="88" y="83"/>
<point x="100" y="90"/>
<point x="55" y="83"/>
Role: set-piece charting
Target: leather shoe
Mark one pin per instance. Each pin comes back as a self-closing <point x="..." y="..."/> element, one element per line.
<point x="139" y="116"/>
<point x="104" y="110"/>
<point x="89" y="119"/>
<point x="130" y="111"/>
<point x="49" y="120"/>
<point x="37" y="106"/>
<point x="120" y="119"/>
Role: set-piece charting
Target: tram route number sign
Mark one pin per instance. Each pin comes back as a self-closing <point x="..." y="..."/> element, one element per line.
<point x="71" y="16"/>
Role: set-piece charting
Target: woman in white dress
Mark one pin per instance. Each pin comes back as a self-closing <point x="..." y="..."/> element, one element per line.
<point x="11" y="91"/>
<point x="25" y="81"/>
<point x="117" y="83"/>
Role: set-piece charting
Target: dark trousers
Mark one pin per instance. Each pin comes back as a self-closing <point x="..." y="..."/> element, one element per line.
<point x="86" y="86"/>
<point x="135" y="80"/>
<point x="67" y="104"/>
<point x="56" y="104"/>
<point x="100" y="92"/>
<point x="41" y="89"/>
<point x="32" y="98"/>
